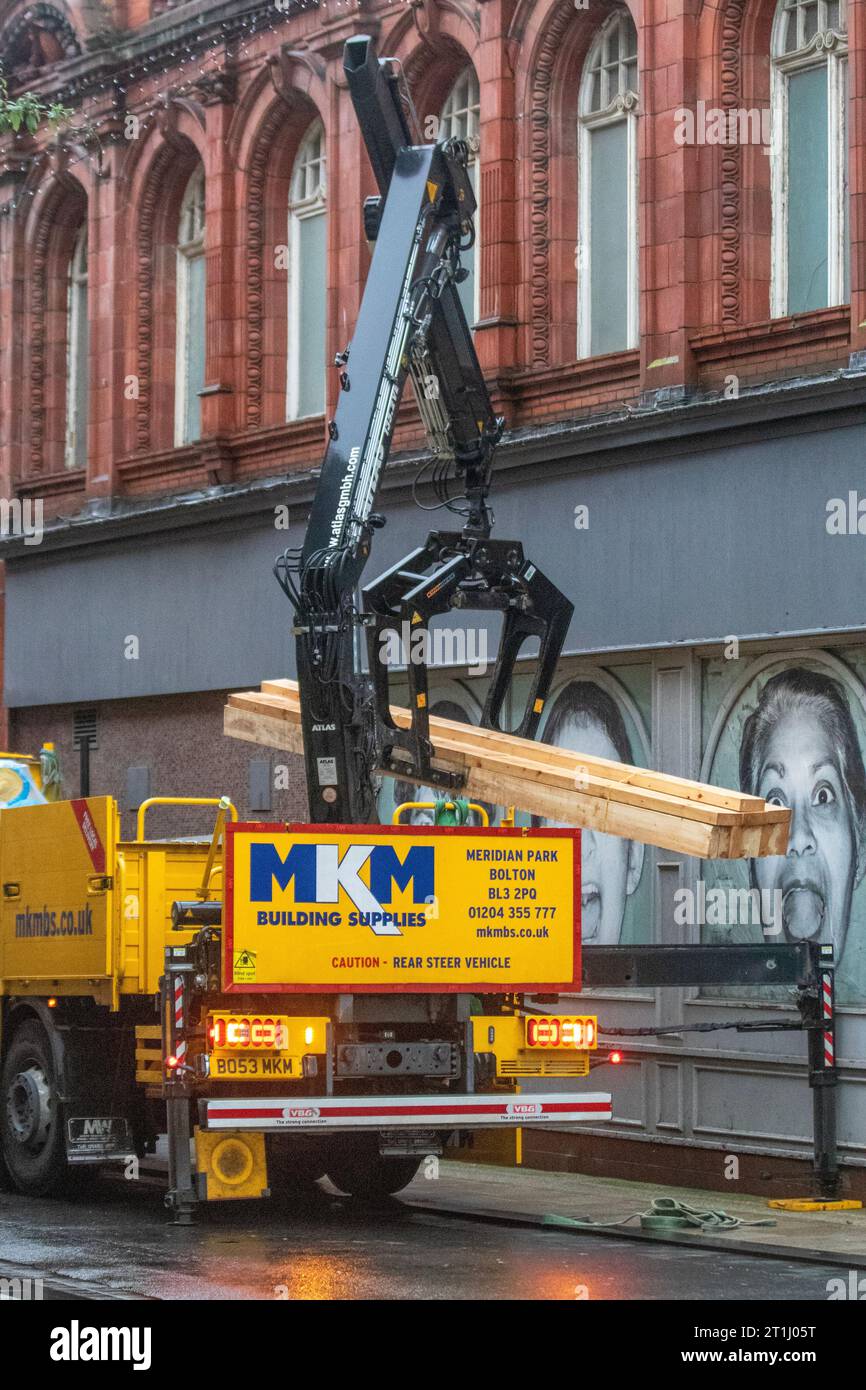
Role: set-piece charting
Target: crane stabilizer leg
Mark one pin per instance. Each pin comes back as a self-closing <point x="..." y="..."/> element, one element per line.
<point x="411" y="322"/>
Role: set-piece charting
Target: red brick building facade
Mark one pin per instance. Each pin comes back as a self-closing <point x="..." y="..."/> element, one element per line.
<point x="159" y="88"/>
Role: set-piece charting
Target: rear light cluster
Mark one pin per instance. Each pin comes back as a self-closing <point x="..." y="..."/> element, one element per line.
<point x="268" y="1033"/>
<point x="556" y="1031"/>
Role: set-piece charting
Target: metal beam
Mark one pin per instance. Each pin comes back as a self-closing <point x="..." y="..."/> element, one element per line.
<point x="677" y="966"/>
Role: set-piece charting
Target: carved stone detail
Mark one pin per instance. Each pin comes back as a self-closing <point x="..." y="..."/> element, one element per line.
<point x="38" y="291"/>
<point x="40" y="269"/>
<point x="256" y="290"/>
<point x="731" y="165"/>
<point x="539" y="187"/>
<point x="153" y="193"/>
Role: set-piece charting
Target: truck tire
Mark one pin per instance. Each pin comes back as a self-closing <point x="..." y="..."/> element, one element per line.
<point x="31" y="1117"/>
<point x="359" y="1170"/>
<point x="293" y="1167"/>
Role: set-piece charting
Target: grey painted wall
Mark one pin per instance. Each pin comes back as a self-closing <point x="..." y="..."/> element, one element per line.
<point x="718" y="542"/>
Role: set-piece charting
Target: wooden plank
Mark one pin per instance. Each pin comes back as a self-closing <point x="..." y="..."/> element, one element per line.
<point x="463" y="745"/>
<point x="702" y="792"/>
<point x="273" y="721"/>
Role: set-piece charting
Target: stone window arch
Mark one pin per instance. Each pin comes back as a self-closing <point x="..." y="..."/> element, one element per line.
<point x="308" y="277"/>
<point x="77" y="353"/>
<point x="809" y="154"/>
<point x="607" y="247"/>
<point x="460" y="119"/>
<point x="190" y="313"/>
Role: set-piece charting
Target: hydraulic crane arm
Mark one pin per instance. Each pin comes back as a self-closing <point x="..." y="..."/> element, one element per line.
<point x="411" y="322"/>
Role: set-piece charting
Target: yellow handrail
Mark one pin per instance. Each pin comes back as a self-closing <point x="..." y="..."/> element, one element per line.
<point x="218" y="834"/>
<point x="431" y="806"/>
<point x="180" y="801"/>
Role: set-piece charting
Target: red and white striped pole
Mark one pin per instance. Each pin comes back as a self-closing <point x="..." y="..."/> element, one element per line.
<point x="178" y="1021"/>
<point x="175" y="1005"/>
<point x="823" y="1072"/>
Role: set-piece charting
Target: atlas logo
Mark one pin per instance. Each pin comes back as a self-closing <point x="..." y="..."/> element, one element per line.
<point x="319" y="872"/>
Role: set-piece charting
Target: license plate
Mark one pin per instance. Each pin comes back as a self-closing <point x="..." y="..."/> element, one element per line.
<point x="255" y="1067"/>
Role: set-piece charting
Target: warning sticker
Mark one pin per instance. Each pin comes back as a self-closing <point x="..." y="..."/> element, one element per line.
<point x="327" y="770"/>
<point x="245" y="966"/>
<point x="86" y="825"/>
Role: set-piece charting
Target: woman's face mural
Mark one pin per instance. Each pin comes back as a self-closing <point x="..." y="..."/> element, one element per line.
<point x="610" y="867"/>
<point x="800" y="750"/>
<point x="816" y="878"/>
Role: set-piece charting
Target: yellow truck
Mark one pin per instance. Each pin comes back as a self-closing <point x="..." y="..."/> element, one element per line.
<point x="294" y="1000"/>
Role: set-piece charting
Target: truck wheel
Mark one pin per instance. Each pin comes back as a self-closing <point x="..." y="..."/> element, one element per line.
<point x="360" y="1170"/>
<point x="31" y="1119"/>
<point x="293" y="1166"/>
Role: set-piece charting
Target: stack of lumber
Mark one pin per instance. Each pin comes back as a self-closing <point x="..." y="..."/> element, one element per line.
<point x="571" y="788"/>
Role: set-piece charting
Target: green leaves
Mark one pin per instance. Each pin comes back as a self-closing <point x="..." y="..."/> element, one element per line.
<point x="29" y="112"/>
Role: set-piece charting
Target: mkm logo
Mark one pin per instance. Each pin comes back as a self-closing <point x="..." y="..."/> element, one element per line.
<point x="318" y="872"/>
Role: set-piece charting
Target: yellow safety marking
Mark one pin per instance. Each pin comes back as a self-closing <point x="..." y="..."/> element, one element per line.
<point x="432" y="190"/>
<point x="809" y="1204"/>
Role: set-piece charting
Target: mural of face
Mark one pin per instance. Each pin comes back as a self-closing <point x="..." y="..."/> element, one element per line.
<point x="816" y="878"/>
<point x="610" y="867"/>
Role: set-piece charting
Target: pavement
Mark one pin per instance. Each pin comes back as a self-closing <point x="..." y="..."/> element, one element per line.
<point x="114" y="1241"/>
<point x="838" y="1237"/>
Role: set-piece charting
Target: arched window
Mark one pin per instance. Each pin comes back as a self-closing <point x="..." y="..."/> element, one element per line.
<point x="459" y="121"/>
<point x="810" y="156"/>
<point x="607" y="251"/>
<point x="77" y="347"/>
<point x="190" y="312"/>
<point x="308" y="270"/>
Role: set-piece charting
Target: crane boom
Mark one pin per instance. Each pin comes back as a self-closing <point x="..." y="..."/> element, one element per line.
<point x="410" y="323"/>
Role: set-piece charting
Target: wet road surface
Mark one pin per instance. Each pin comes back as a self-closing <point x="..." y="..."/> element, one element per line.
<point x="324" y="1247"/>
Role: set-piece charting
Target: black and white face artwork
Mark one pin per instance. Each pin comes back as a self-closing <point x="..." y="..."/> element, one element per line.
<point x="800" y="750"/>
<point x="586" y="719"/>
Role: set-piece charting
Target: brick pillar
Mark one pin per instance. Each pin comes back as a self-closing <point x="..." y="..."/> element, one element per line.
<point x="222" y="365"/>
<point x="11" y="334"/>
<point x="111" y="299"/>
<point x="4" y="712"/>
<point x="857" y="171"/>
<point x="496" y="331"/>
<point x="669" y="240"/>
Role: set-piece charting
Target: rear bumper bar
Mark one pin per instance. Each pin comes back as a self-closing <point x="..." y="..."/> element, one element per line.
<point x="316" y="1113"/>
